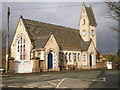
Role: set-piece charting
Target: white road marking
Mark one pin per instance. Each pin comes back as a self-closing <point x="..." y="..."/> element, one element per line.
<point x="27" y="87"/>
<point x="10" y="80"/>
<point x="56" y="80"/>
<point x="32" y="85"/>
<point x="45" y="75"/>
<point x="46" y="86"/>
<point x="100" y="79"/>
<point x="63" y="87"/>
<point x="14" y="86"/>
<point x="60" y="82"/>
<point x="51" y="83"/>
<point x="1" y="85"/>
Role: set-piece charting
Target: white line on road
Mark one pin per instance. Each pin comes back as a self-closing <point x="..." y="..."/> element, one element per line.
<point x="46" y="86"/>
<point x="63" y="87"/>
<point x="100" y="79"/>
<point x="14" y="86"/>
<point x="60" y="83"/>
<point x="27" y="87"/>
<point x="51" y="83"/>
<point x="1" y="85"/>
<point x="45" y="75"/>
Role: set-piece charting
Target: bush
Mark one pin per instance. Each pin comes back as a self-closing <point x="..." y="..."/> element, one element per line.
<point x="11" y="58"/>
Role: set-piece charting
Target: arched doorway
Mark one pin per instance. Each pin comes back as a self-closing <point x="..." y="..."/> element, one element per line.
<point x="50" y="60"/>
<point x="91" y="58"/>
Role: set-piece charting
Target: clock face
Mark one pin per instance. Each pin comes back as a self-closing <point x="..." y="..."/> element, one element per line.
<point x="92" y="32"/>
<point x="84" y="33"/>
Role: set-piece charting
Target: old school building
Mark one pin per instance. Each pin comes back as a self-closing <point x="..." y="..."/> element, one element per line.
<point x="52" y="47"/>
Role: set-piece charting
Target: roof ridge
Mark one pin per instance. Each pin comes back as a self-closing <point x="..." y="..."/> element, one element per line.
<point x="90" y="12"/>
<point x="50" y="24"/>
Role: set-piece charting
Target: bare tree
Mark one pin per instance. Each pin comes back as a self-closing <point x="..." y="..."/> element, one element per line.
<point x="114" y="12"/>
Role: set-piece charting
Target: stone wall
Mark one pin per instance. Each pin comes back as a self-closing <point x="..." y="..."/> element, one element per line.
<point x="11" y="66"/>
<point x="101" y="65"/>
<point x="36" y="67"/>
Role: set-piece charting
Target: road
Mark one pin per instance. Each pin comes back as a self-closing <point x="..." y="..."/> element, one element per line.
<point x="63" y="79"/>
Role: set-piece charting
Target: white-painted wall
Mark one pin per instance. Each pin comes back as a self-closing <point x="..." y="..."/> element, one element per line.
<point x="109" y="65"/>
<point x="23" y="66"/>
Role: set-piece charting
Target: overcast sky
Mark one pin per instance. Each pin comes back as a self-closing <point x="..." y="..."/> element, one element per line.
<point x="64" y="14"/>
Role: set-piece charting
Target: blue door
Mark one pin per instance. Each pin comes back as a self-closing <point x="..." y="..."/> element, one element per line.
<point x="50" y="61"/>
<point x="90" y="60"/>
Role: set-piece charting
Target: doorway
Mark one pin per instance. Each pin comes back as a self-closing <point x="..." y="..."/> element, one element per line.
<point x="91" y="58"/>
<point x="50" y="60"/>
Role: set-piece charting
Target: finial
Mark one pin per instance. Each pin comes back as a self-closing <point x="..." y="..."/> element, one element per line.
<point x="21" y="16"/>
<point x="83" y="4"/>
<point x="90" y="6"/>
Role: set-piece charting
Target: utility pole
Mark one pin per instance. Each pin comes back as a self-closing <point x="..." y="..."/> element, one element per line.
<point x="7" y="40"/>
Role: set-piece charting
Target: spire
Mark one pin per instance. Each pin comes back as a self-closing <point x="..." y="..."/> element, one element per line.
<point x="83" y="4"/>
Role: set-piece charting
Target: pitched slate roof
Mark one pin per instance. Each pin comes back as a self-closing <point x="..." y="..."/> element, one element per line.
<point x="67" y="38"/>
<point x="85" y="45"/>
<point x="91" y="16"/>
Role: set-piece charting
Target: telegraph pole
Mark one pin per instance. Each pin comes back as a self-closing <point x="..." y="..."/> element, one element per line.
<point x="7" y="40"/>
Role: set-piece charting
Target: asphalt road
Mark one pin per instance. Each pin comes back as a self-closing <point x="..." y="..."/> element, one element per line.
<point x="64" y="79"/>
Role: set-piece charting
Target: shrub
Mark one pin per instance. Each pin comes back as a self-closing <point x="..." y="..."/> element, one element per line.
<point x="11" y="58"/>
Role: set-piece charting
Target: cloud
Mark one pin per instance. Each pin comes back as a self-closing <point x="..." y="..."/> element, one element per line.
<point x="63" y="14"/>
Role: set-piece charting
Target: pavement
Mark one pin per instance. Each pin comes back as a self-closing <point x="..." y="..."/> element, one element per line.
<point x="65" y="79"/>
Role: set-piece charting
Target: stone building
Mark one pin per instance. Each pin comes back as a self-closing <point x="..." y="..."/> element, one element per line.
<point x="57" y="47"/>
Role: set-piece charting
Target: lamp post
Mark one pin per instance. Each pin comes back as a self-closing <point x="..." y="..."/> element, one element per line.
<point x="7" y="40"/>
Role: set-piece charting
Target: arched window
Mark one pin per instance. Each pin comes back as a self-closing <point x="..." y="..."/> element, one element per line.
<point x="62" y="55"/>
<point x="70" y="57"/>
<point x="84" y="58"/>
<point x="66" y="57"/>
<point x="83" y="21"/>
<point x="20" y="48"/>
<point x="78" y="56"/>
<point x="75" y="56"/>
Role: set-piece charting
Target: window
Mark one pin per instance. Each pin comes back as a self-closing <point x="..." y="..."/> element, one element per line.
<point x="78" y="56"/>
<point x="66" y="57"/>
<point x="92" y="32"/>
<point x="84" y="58"/>
<point x="75" y="56"/>
<point x="84" y="32"/>
<point x="18" y="48"/>
<point x="83" y="21"/>
<point x="70" y="57"/>
<point x="83" y="10"/>
<point x="21" y="48"/>
<point x="62" y="56"/>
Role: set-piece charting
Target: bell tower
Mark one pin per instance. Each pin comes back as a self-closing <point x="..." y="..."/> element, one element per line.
<point x="87" y="24"/>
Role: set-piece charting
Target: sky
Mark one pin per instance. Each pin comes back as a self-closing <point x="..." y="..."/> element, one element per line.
<point x="64" y="14"/>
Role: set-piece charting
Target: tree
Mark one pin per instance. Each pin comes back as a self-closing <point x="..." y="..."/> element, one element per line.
<point x="111" y="58"/>
<point x="114" y="12"/>
<point x="118" y="53"/>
